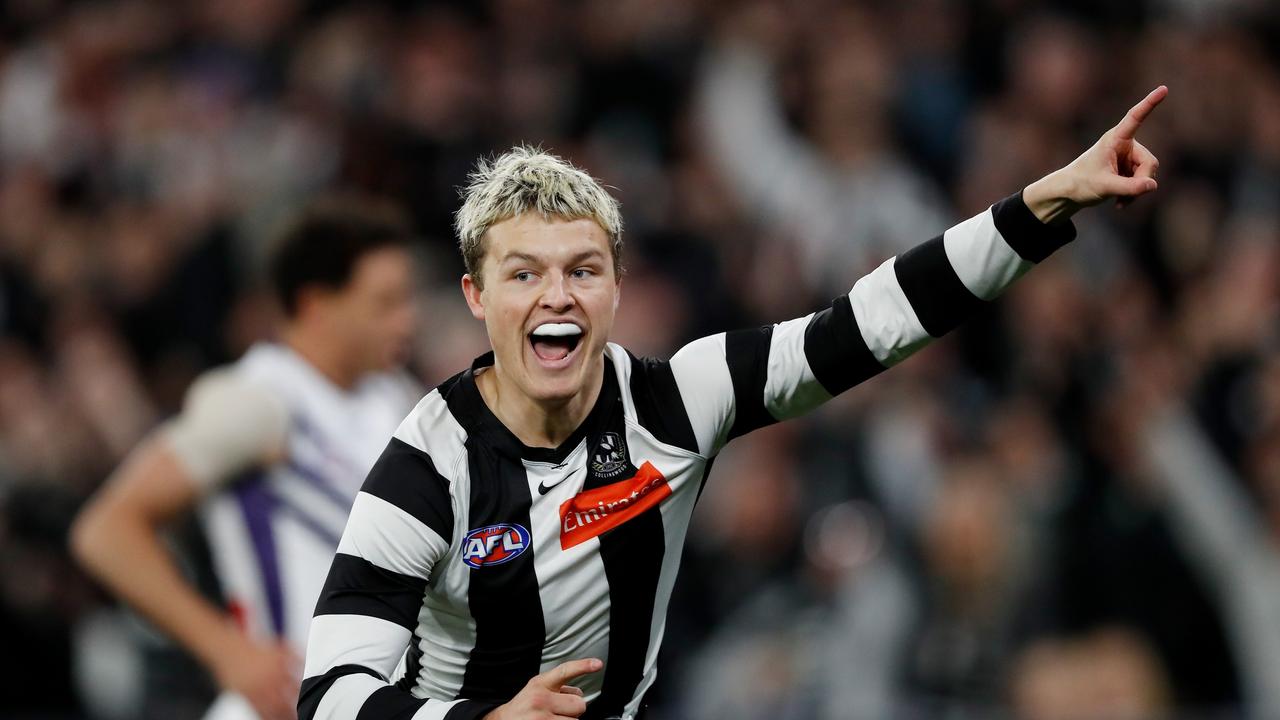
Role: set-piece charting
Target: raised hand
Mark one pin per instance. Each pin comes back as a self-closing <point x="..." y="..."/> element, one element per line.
<point x="549" y="696"/>
<point x="1117" y="166"/>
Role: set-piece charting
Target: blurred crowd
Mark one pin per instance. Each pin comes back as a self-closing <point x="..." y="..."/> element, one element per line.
<point x="1069" y="509"/>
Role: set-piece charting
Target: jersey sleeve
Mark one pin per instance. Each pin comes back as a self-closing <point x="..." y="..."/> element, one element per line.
<point x="735" y="382"/>
<point x="399" y="528"/>
<point x="227" y="424"/>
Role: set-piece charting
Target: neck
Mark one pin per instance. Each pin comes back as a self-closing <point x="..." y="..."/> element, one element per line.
<point x="536" y="423"/>
<point x="323" y="354"/>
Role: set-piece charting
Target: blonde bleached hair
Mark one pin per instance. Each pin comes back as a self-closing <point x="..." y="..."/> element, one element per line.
<point x="529" y="179"/>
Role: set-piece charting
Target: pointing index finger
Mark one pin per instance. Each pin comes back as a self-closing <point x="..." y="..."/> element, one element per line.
<point x="563" y="673"/>
<point x="1128" y="126"/>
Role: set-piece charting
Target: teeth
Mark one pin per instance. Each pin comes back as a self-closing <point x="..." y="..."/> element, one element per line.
<point x="557" y="330"/>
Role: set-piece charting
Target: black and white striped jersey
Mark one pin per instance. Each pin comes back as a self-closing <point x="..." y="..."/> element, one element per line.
<point x="470" y="562"/>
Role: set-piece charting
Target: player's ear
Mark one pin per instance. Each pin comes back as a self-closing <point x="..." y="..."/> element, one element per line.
<point x="474" y="295"/>
<point x="310" y="297"/>
<point x="617" y="293"/>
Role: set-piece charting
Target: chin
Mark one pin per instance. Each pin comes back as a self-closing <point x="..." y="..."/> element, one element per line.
<point x="386" y="363"/>
<point x="555" y="385"/>
<point x="555" y="389"/>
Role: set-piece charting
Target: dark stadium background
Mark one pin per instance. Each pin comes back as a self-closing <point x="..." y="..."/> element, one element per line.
<point x="986" y="530"/>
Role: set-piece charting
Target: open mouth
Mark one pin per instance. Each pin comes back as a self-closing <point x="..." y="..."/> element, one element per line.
<point x="554" y="342"/>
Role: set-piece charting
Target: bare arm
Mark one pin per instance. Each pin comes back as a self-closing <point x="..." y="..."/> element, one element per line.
<point x="117" y="539"/>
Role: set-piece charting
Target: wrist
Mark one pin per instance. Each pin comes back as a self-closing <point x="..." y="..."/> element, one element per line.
<point x="225" y="645"/>
<point x="1049" y="198"/>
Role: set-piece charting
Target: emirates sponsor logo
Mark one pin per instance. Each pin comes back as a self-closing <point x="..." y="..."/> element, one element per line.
<point x="594" y="512"/>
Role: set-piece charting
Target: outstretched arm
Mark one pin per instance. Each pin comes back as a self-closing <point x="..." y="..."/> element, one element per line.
<point x="735" y="382"/>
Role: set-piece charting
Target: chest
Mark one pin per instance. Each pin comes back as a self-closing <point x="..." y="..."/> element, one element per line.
<point x="551" y="526"/>
<point x="605" y="483"/>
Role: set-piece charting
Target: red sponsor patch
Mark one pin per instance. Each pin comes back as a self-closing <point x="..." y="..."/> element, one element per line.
<point x="592" y="512"/>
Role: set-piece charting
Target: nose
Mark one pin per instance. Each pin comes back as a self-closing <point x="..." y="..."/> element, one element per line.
<point x="556" y="296"/>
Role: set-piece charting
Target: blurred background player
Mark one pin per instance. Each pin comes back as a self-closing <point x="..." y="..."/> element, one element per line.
<point x="271" y="450"/>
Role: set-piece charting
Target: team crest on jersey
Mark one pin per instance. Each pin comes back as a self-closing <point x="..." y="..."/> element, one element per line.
<point x="610" y="456"/>
<point x="494" y="544"/>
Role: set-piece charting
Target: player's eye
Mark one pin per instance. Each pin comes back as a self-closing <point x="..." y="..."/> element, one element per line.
<point x="523" y="276"/>
<point x="582" y="273"/>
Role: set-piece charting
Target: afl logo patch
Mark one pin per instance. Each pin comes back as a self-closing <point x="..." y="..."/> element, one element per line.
<point x="610" y="457"/>
<point x="494" y="545"/>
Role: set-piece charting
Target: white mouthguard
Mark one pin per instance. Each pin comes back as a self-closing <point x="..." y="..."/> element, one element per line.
<point x="557" y="330"/>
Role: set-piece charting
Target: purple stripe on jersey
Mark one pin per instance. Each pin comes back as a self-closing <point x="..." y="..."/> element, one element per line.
<point x="321" y="483"/>
<point x="313" y="525"/>
<point x="258" y="506"/>
<point x="304" y="429"/>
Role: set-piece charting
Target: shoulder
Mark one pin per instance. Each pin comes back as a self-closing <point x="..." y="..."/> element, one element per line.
<point x="651" y="396"/>
<point x="264" y="361"/>
<point x="433" y="426"/>
<point x="228" y="422"/>
<point x="396" y="388"/>
<point x="230" y="392"/>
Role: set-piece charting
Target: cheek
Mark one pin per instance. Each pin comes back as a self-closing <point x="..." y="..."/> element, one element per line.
<point x="606" y="306"/>
<point x="386" y="321"/>
<point x="354" y="317"/>
<point x="504" y="322"/>
<point x="511" y="321"/>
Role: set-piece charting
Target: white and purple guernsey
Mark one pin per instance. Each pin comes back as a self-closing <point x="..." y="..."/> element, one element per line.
<point x="280" y="453"/>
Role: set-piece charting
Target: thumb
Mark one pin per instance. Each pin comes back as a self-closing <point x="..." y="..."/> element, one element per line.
<point x="1128" y="187"/>
<point x="560" y="675"/>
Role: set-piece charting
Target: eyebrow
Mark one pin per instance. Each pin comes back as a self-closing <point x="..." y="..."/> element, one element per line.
<point x="523" y="257"/>
<point x="535" y="260"/>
